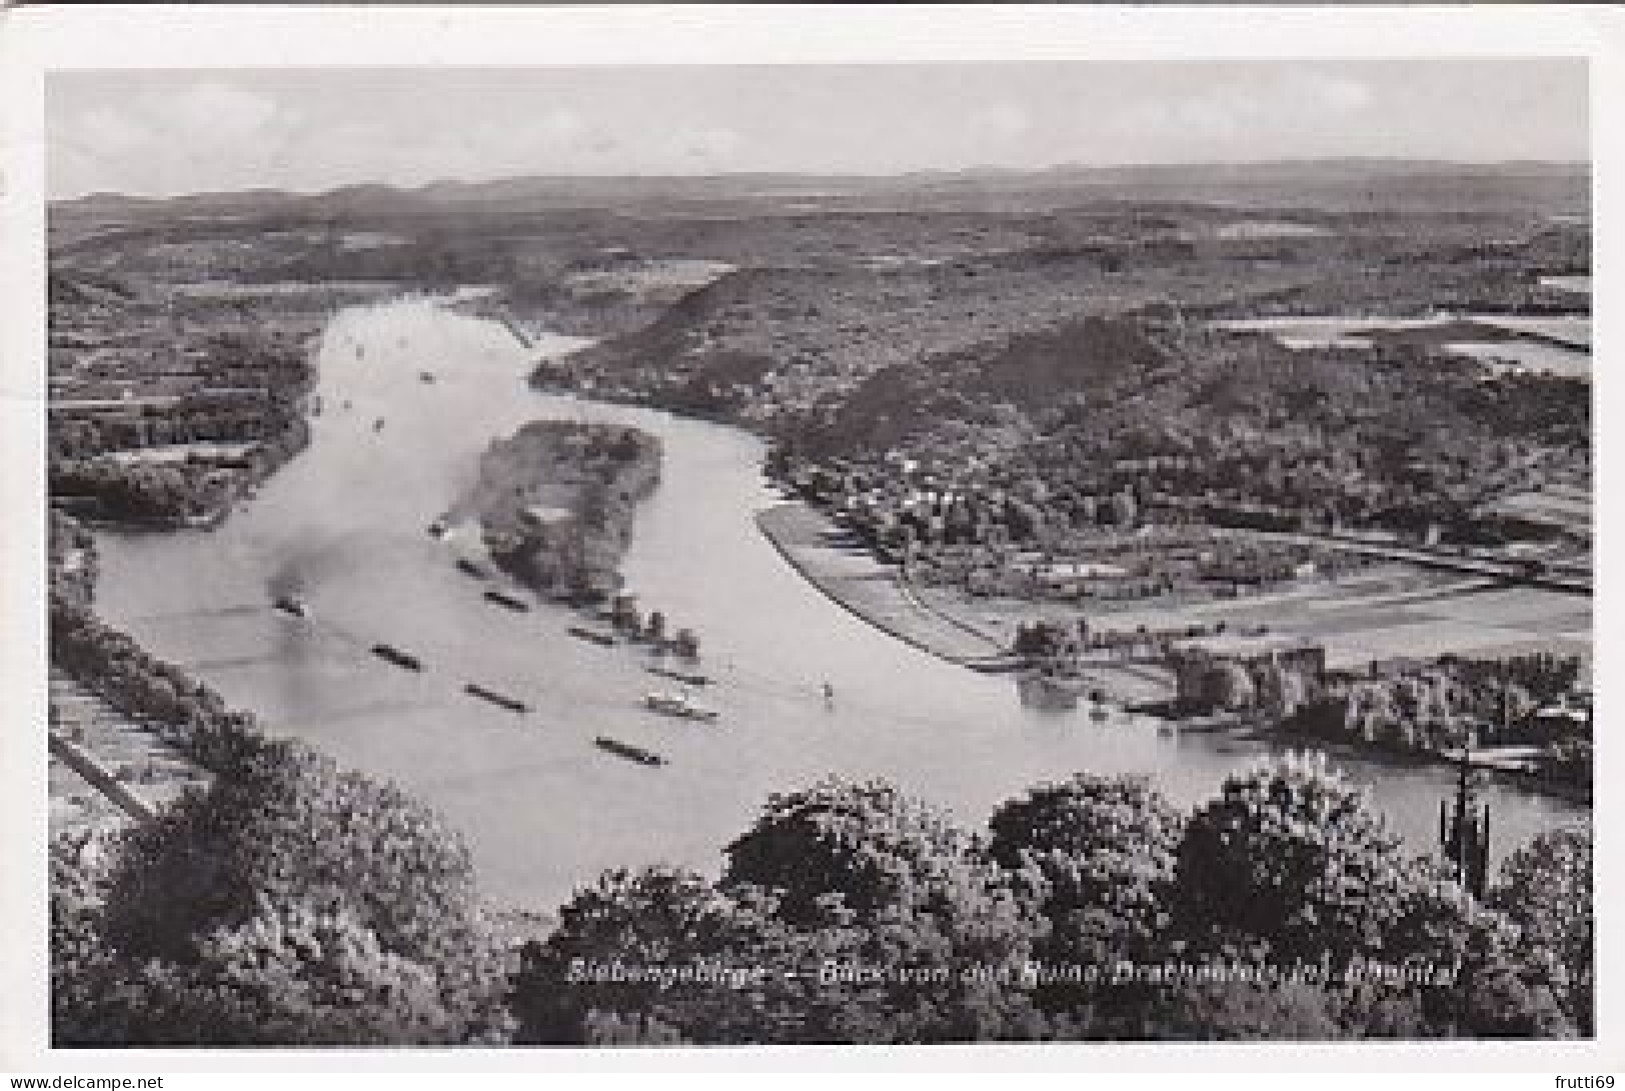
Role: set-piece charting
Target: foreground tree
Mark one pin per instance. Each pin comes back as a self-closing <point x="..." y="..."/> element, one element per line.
<point x="847" y="913"/>
<point x="899" y="892"/>
<point x="1290" y="855"/>
<point x="1546" y="888"/>
<point x="326" y="881"/>
<point x="654" y="956"/>
<point x="1106" y="849"/>
<point x="291" y="975"/>
<point x="1289" y="871"/>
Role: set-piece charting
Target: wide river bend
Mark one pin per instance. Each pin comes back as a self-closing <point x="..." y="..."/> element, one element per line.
<point x="411" y="392"/>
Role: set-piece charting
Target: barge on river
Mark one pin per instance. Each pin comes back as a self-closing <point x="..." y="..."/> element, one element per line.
<point x="688" y="678"/>
<point x="501" y="700"/>
<point x="628" y="751"/>
<point x="679" y="705"/>
<point x="502" y="598"/>
<point x="390" y="654"/>
<point x="593" y="636"/>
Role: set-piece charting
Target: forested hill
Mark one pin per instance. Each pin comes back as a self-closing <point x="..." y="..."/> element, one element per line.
<point x="1348" y="183"/>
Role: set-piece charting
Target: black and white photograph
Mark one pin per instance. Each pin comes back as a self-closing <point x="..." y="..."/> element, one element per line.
<point x="1027" y="550"/>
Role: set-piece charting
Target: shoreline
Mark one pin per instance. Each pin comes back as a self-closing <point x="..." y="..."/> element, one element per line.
<point x="795" y="531"/>
<point x="791" y="528"/>
<point x="869" y="591"/>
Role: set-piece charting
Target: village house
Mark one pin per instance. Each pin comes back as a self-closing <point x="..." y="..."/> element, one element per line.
<point x="1231" y="672"/>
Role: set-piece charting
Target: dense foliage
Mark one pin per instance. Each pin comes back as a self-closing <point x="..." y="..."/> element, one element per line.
<point x="1440" y="706"/>
<point x="291" y="902"/>
<point x="1547" y="888"/>
<point x="1281" y="909"/>
<point x="111" y="663"/>
<point x="297" y="903"/>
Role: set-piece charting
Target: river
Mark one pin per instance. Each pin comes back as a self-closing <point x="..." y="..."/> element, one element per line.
<point x="411" y="393"/>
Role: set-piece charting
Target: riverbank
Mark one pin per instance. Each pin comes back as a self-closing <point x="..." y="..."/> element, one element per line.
<point x="825" y="556"/>
<point x="1506" y="765"/>
<point x="833" y="561"/>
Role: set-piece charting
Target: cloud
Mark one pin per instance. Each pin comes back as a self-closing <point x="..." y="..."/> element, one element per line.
<point x="1282" y="113"/>
<point x="563" y="126"/>
<point x="229" y="113"/>
<point x="166" y="140"/>
<point x="106" y="130"/>
<point x="706" y="148"/>
<point x="1001" y="121"/>
<point x="1336" y="93"/>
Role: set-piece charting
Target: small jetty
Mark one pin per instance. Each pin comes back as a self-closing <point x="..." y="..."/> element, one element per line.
<point x="502" y="598"/>
<point x="502" y="700"/>
<point x="515" y="329"/>
<point x="593" y="636"/>
<point x="628" y="751"/>
<point x="390" y="654"/>
<point x="687" y="678"/>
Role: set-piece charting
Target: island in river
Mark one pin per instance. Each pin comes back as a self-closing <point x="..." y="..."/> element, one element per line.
<point x="555" y="503"/>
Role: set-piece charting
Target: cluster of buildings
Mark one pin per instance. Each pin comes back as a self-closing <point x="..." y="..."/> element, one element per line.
<point x="162" y="401"/>
<point x="974" y="524"/>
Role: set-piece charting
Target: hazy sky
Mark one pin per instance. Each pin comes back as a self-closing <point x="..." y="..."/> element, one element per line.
<point x="166" y="132"/>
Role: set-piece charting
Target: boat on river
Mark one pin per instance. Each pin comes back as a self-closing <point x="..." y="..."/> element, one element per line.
<point x="679" y="705"/>
<point x="688" y="678"/>
<point x="1049" y="691"/>
<point x="473" y="568"/>
<point x="502" y="700"/>
<point x="628" y="751"/>
<point x="390" y="654"/>
<point x="292" y="605"/>
<point x="502" y="598"/>
<point x="593" y="636"/>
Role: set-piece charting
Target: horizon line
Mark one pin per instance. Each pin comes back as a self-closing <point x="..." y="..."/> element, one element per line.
<point x="865" y="176"/>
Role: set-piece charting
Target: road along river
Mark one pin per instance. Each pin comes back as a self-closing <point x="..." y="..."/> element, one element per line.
<point x="411" y="392"/>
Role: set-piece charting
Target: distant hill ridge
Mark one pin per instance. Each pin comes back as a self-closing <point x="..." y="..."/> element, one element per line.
<point x="595" y="191"/>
